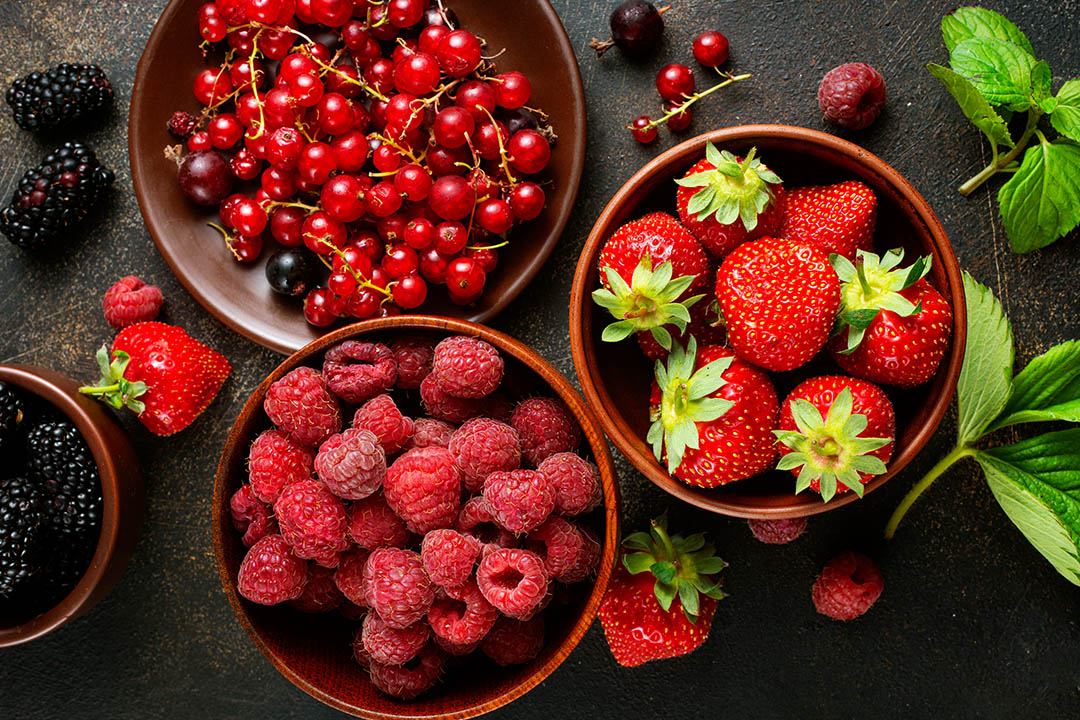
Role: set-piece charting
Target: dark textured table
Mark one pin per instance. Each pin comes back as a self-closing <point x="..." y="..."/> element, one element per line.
<point x="973" y="623"/>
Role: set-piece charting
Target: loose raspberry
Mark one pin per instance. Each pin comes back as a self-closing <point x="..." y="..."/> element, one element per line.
<point x="321" y="594"/>
<point x="546" y="427"/>
<point x="408" y="680"/>
<point x="560" y="544"/>
<point x="513" y="581"/>
<point x="480" y="447"/>
<point x="182" y="123"/>
<point x="131" y="301"/>
<point x="777" y="532"/>
<point x="275" y="461"/>
<point x="449" y="556"/>
<point x="852" y="95"/>
<point x="520" y="500"/>
<point x="477" y="520"/>
<point x="423" y="487"/>
<point x="372" y="524"/>
<point x="413" y="355"/>
<point x="251" y="516"/>
<point x="428" y="432"/>
<point x="397" y="587"/>
<point x="848" y="586"/>
<point x="392" y="646"/>
<point x="461" y="616"/>
<point x="588" y="561"/>
<point x="466" y="367"/>
<point x="576" y="482"/>
<point x="498" y="407"/>
<point x="356" y="371"/>
<point x="351" y="464"/>
<point x="270" y="573"/>
<point x="512" y="642"/>
<point x="446" y="407"/>
<point x="349" y="576"/>
<point x="381" y="416"/>
<point x="312" y="521"/>
<point x="302" y="406"/>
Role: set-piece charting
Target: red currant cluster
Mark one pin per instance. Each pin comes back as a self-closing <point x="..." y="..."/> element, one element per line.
<point x="382" y="141"/>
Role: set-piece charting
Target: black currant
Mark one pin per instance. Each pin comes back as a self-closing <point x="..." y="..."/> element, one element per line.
<point x="636" y="26"/>
<point x="290" y="272"/>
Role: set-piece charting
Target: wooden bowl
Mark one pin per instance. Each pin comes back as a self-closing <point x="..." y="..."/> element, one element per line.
<point x="616" y="377"/>
<point x="314" y="652"/>
<point x="237" y="294"/>
<point x="122" y="493"/>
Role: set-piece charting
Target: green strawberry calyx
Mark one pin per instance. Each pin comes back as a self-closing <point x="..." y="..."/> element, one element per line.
<point x="830" y="449"/>
<point x="733" y="190"/>
<point x="649" y="302"/>
<point x="872" y="284"/>
<point x="685" y="402"/>
<point x="113" y="388"/>
<point x="683" y="567"/>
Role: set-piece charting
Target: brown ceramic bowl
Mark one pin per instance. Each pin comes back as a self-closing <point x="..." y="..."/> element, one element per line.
<point x="237" y="293"/>
<point x="314" y="652"/>
<point x="616" y="377"/>
<point x="123" y="497"/>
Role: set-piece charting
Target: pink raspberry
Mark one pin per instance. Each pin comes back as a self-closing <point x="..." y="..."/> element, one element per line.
<point x="476" y="519"/>
<point x="251" y="516"/>
<point x="271" y="573"/>
<point x="588" y="561"/>
<point x="321" y="594"/>
<point x="413" y="355"/>
<point x="545" y="426"/>
<point x="429" y="432"/>
<point x="453" y="648"/>
<point x="520" y="500"/>
<point x="449" y="556"/>
<point x="561" y="545"/>
<point x="409" y="680"/>
<point x="397" y="587"/>
<point x="276" y="461"/>
<point x="392" y="646"/>
<point x="349" y="576"/>
<point x="131" y="301"/>
<point x="381" y="416"/>
<point x="466" y="367"/>
<point x="848" y="586"/>
<point x="512" y="642"/>
<point x="852" y="95"/>
<point x="312" y="521"/>
<point x="461" y="616"/>
<point x="372" y="524"/>
<point x="576" y="482"/>
<point x="540" y="606"/>
<point x="351" y="464"/>
<point x="513" y="581"/>
<point x="777" y="532"/>
<point x="302" y="406"/>
<point x="446" y="407"/>
<point x="480" y="447"/>
<point x="423" y="487"/>
<point x="356" y="371"/>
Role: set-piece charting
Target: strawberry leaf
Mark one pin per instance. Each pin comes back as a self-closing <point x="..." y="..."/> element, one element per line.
<point x="688" y="597"/>
<point x="637" y="541"/>
<point x="1047" y="389"/>
<point x="638" y="562"/>
<point x="986" y="375"/>
<point x="665" y="594"/>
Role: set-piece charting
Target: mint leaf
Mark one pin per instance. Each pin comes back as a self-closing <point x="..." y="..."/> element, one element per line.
<point x="1041" y="201"/>
<point x="1047" y="389"/>
<point x="974" y="106"/>
<point x="999" y="70"/>
<point x="1066" y="114"/>
<point x="969" y="22"/>
<point x="1041" y="77"/>
<point x="986" y="375"/>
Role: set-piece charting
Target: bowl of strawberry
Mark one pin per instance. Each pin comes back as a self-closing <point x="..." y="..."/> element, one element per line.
<point x="415" y="517"/>
<point x="769" y="321"/>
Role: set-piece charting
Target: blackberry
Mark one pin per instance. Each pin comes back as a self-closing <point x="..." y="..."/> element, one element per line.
<point x="44" y="100"/>
<point x="60" y="459"/>
<point x="182" y="123"/>
<point x="22" y="527"/>
<point x="53" y="198"/>
<point x="11" y="417"/>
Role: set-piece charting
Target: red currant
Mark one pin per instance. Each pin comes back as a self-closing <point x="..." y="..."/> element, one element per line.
<point x="264" y="11"/>
<point x="414" y="182"/>
<point x="452" y="198"/>
<point x="344" y="81"/>
<point x="417" y="74"/>
<point x="675" y="82"/>
<point x="405" y="13"/>
<point x="391" y="229"/>
<point x="368" y="242"/>
<point x="430" y="37"/>
<point x="465" y="280"/>
<point x="445" y="161"/>
<point x="526" y="200"/>
<point x="248" y="218"/>
<point x="400" y="260"/>
<point x="529" y="151"/>
<point x="351" y="149"/>
<point x="199" y="141"/>
<point x="410" y="291"/>
<point x="276" y="44"/>
<point x="433" y="265"/>
<point x="341" y="283"/>
<point x="379" y="74"/>
<point x="246" y="248"/>
<point x="419" y="233"/>
<point x="295" y="65"/>
<point x="452" y="127"/>
<point x="242" y="72"/>
<point x="641" y="131"/>
<point x="244" y="165"/>
<point x="278" y="184"/>
<point x="353" y="260"/>
<point x="316" y="310"/>
<point x="512" y="90"/>
<point x="476" y="96"/>
<point x="334" y="114"/>
<point x="386" y="159"/>
<point x="490" y="137"/>
<point x="711" y="48"/>
<point x="450" y="237"/>
<point x="679" y="121"/>
<point x="404" y="112"/>
<point x="285" y="148"/>
<point x="486" y="257"/>
<point x="384" y="199"/>
<point x="212" y="86"/>
<point x="342" y="197"/>
<point x="322" y="233"/>
<point x="306" y="90"/>
<point x="494" y="216"/>
<point x="334" y="13"/>
<point x="317" y="163"/>
<point x="459" y="53"/>
<point x="225" y="131"/>
<point x="213" y="29"/>
<point x="364" y="303"/>
<point x="286" y="224"/>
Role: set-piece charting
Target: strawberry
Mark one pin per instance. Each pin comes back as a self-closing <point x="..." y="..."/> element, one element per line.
<point x="662" y="597"/>
<point x="704" y="325"/>
<point x="836" y="433"/>
<point x="836" y="218"/>
<point x="898" y="326"/>
<point x="653" y="271"/>
<point x="779" y="300"/>
<point x="725" y="200"/>
<point x="713" y="416"/>
<point x="163" y="374"/>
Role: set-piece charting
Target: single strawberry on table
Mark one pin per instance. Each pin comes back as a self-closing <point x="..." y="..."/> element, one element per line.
<point x="836" y="218"/>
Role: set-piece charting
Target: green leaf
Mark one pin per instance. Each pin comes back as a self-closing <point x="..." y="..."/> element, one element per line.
<point x="688" y="596"/>
<point x="986" y="375"/>
<point x="974" y="106"/>
<point x="999" y="70"/>
<point x="1041" y="201"/>
<point x="1047" y="389"/>
<point x="968" y="22"/>
<point x="691" y="544"/>
<point x="617" y="331"/>
<point x="665" y="594"/>
<point x="638" y="562"/>
<point x="664" y="571"/>
<point x="1066" y="114"/>
<point x="710" y="566"/>
<point x="637" y="541"/>
<point x="1041" y="77"/>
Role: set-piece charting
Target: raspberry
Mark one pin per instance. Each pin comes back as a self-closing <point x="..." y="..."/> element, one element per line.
<point x="391" y="646"/>
<point x="453" y="648"/>
<point x="413" y="355"/>
<point x="250" y="516"/>
<point x="520" y="500"/>
<point x="447" y="407"/>
<point x="372" y="524"/>
<point x="477" y="520"/>
<point x="466" y="367"/>
<point x="275" y="461"/>
<point x="182" y="123"/>
<point x="428" y="432"/>
<point x="852" y="95"/>
<point x="131" y="301"/>
<point x="270" y="573"/>
<point x="461" y="616"/>
<point x="349" y="576"/>
<point x="302" y="406"/>
<point x="544" y="602"/>
<point x="321" y="594"/>
<point x="512" y="642"/>
<point x="381" y="416"/>
<point x="848" y="586"/>
<point x="356" y="371"/>
<point x="351" y="464"/>
<point x="397" y="587"/>
<point x="513" y="581"/>
<point x="588" y="561"/>
<point x="480" y="447"/>
<point x="409" y="680"/>
<point x="777" y="532"/>
<point x="423" y="487"/>
<point x="576" y="482"/>
<point x="312" y="521"/>
<point x="498" y="407"/>
<point x="546" y="427"/>
<point x="561" y="545"/>
<point x="449" y="556"/>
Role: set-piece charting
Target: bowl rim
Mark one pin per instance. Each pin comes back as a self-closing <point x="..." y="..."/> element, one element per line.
<point x="574" y="145"/>
<point x="582" y="345"/>
<point x="591" y="432"/>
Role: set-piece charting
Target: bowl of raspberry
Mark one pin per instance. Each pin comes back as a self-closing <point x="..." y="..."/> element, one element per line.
<point x="71" y="502"/>
<point x="302" y="165"/>
<point x="769" y="321"/>
<point x="415" y="517"/>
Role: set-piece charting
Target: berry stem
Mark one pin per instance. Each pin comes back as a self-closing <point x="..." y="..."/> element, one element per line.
<point x="958" y="453"/>
<point x="677" y="109"/>
<point x="361" y="281"/>
<point x="228" y="240"/>
<point x="502" y="150"/>
<point x="665" y="540"/>
<point x="999" y="164"/>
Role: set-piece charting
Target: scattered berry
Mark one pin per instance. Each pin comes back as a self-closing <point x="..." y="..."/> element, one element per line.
<point x="636" y="27"/>
<point x="576" y="482"/>
<point x="131" y="301"/>
<point x="381" y="416"/>
<point x="852" y="95"/>
<point x="848" y="586"/>
<point x="68" y="92"/>
<point x="643" y="130"/>
<point x="520" y="500"/>
<point x="777" y="532"/>
<point x="270" y="573"/>
<point x="182" y="123"/>
<point x="312" y="522"/>
<point x="711" y="48"/>
<point x="465" y="367"/>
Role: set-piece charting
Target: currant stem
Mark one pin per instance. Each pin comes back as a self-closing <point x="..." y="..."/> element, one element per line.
<point x="678" y="109"/>
<point x="1001" y="163"/>
<point x="502" y="150"/>
<point x="958" y="453"/>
